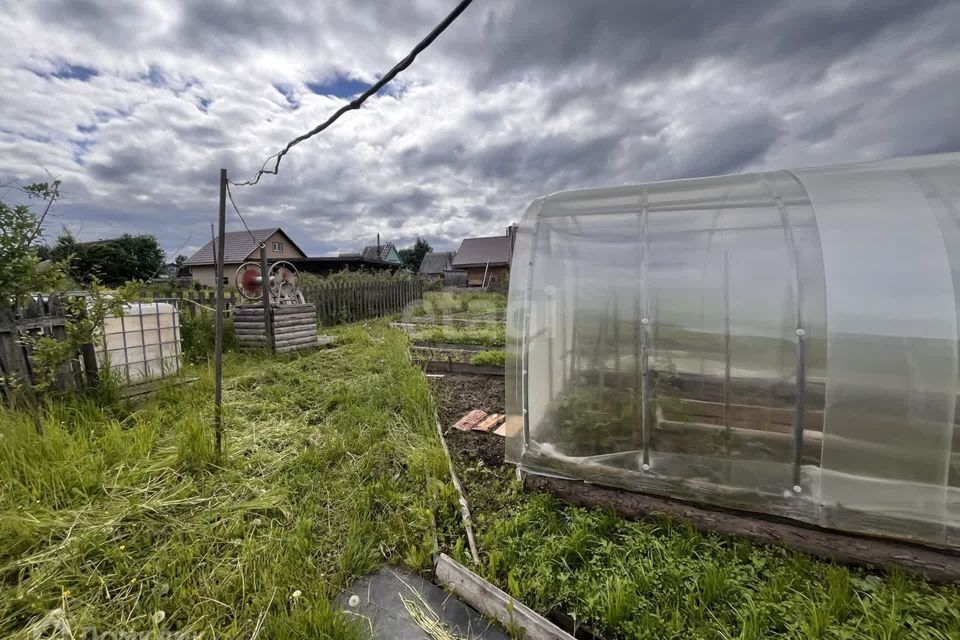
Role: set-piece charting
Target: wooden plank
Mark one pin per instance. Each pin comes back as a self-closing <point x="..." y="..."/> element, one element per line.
<point x="470" y="420"/>
<point x="45" y="322"/>
<point x="296" y="347"/>
<point x="751" y="416"/>
<point x="442" y="366"/>
<point x="283" y="321"/>
<point x="298" y="340"/>
<point x="491" y="422"/>
<point x="448" y="346"/>
<point x="941" y="566"/>
<point x="295" y="328"/>
<point x="293" y="335"/>
<point x="492" y="602"/>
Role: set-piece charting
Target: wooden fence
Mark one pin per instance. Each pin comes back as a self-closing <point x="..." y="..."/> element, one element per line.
<point x="349" y="302"/>
<point x="43" y="315"/>
<point x="336" y="302"/>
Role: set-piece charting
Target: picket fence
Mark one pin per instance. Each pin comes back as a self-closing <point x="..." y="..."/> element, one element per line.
<point x="336" y="302"/>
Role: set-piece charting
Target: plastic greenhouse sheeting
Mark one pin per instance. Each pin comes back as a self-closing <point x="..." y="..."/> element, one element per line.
<point x="781" y="342"/>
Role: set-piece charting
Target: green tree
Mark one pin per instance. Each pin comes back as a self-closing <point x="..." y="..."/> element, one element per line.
<point x="22" y="270"/>
<point x="113" y="261"/>
<point x="413" y="256"/>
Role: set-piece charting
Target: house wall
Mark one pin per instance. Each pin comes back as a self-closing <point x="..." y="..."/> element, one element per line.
<point x="495" y="274"/>
<point x="289" y="251"/>
<point x="207" y="274"/>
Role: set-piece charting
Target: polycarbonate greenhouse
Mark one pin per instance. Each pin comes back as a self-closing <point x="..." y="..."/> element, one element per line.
<point x="780" y="342"/>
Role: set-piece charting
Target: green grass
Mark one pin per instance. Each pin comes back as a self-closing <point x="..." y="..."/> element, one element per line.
<point x="494" y="335"/>
<point x="493" y="358"/>
<point x="661" y="579"/>
<point x="478" y="305"/>
<point x="118" y="513"/>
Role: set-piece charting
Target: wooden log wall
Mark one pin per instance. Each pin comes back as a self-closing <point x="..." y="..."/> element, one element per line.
<point x="294" y="327"/>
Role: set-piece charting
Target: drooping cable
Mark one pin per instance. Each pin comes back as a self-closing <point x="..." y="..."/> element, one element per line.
<point x="357" y="102"/>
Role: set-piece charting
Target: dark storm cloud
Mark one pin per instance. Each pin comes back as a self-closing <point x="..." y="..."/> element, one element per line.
<point x="731" y="147"/>
<point x="628" y="38"/>
<point x="519" y="98"/>
<point x="551" y="161"/>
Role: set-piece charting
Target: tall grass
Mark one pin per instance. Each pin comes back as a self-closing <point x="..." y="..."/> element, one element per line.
<point x="658" y="579"/>
<point x="118" y="513"/>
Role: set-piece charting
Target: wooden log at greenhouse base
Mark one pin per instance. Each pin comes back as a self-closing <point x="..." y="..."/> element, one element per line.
<point x="933" y="564"/>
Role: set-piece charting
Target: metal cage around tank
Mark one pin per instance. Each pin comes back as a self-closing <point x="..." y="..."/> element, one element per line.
<point x="780" y="342"/>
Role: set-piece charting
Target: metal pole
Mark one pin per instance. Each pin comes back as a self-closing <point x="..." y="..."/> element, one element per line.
<point x="726" y="351"/>
<point x="265" y="293"/>
<point x="218" y="342"/>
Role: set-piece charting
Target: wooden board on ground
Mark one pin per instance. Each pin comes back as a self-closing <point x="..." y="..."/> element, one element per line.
<point x="491" y="422"/>
<point x="501" y="430"/>
<point x="446" y="366"/>
<point x="491" y="601"/>
<point x="471" y="420"/>
<point x="940" y="566"/>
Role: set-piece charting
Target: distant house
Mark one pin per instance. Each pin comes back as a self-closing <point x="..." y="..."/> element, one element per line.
<point x="486" y="260"/>
<point x="436" y="265"/>
<point x="385" y="252"/>
<point x="239" y="248"/>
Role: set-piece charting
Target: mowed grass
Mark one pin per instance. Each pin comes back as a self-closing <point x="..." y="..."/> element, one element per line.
<point x="123" y="519"/>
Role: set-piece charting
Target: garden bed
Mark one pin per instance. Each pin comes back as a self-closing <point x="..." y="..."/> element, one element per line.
<point x="457" y="394"/>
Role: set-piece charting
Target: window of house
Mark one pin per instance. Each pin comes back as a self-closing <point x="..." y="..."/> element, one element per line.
<point x="277" y="247"/>
<point x="226" y="280"/>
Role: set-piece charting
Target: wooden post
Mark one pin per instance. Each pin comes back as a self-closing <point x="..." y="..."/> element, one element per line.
<point x="218" y="340"/>
<point x="265" y="294"/>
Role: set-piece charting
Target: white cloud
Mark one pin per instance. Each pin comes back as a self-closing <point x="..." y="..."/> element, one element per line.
<point x="517" y="99"/>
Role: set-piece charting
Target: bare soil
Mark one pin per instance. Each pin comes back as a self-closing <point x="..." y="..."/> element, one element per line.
<point x="457" y="394"/>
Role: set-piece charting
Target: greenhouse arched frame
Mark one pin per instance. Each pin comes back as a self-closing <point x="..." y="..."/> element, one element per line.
<point x="782" y="342"/>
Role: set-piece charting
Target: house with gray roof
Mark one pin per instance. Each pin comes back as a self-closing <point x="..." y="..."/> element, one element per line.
<point x="438" y="267"/>
<point x="239" y="247"/>
<point x="486" y="260"/>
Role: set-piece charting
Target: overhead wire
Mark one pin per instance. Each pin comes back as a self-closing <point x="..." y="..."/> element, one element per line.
<point x="357" y="102"/>
<point x="240" y="215"/>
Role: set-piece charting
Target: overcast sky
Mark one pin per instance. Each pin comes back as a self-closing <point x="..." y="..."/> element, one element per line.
<point x="136" y="105"/>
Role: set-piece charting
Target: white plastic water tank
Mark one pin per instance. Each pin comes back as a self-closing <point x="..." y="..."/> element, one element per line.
<point x="143" y="343"/>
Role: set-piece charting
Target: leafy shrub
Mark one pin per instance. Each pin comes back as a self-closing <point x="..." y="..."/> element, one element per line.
<point x="198" y="333"/>
<point x="346" y="277"/>
<point x="489" y="358"/>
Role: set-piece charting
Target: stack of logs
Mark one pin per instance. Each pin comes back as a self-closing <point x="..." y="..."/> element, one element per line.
<point x="294" y="327"/>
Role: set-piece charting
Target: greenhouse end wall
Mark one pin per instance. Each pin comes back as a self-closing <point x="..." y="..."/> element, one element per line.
<point x="782" y="342"/>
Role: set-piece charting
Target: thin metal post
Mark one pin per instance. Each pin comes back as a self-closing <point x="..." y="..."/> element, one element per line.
<point x="726" y="349"/>
<point x="218" y="341"/>
<point x="143" y="339"/>
<point x="618" y="385"/>
<point x="638" y="368"/>
<point x="265" y="293"/>
<point x="550" y="302"/>
<point x="799" y="408"/>
<point x="644" y="393"/>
